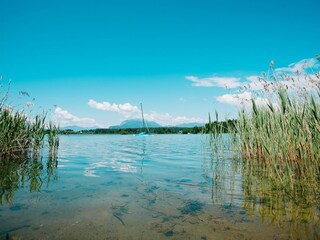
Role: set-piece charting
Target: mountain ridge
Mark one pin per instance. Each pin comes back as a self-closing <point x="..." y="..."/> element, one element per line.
<point x="136" y="123"/>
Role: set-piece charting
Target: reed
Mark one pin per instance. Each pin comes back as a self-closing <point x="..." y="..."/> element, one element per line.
<point x="283" y="139"/>
<point x="261" y="196"/>
<point x="280" y="138"/>
<point x="15" y="133"/>
<point x="53" y="140"/>
<point x="21" y="136"/>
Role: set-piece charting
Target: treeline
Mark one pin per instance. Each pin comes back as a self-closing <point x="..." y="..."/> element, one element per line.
<point x="221" y="127"/>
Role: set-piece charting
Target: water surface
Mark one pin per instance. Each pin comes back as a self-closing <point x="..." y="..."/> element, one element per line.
<point x="126" y="187"/>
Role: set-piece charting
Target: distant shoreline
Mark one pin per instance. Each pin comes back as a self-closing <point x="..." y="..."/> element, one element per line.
<point x="129" y="131"/>
<point x="207" y="128"/>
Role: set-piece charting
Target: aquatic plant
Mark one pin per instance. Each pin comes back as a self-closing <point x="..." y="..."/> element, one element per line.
<point x="260" y="195"/>
<point x="22" y="136"/>
<point x="283" y="138"/>
<point x="279" y="136"/>
<point x="268" y="199"/>
<point x="15" y="133"/>
<point x="38" y="132"/>
<point x="53" y="140"/>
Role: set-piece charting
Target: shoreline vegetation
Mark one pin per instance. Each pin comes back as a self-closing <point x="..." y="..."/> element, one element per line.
<point x="22" y="141"/>
<point x="223" y="126"/>
<point x="277" y="138"/>
<point x="23" y="137"/>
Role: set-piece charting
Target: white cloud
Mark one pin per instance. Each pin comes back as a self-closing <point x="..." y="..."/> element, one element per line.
<point x="167" y="119"/>
<point x="242" y="100"/>
<point x="226" y="82"/>
<point x="238" y="100"/>
<point x="129" y="111"/>
<point x="64" y="119"/>
<point x="297" y="78"/>
<point x="179" y="120"/>
<point x="126" y="109"/>
<point x="301" y="66"/>
<point x="254" y="83"/>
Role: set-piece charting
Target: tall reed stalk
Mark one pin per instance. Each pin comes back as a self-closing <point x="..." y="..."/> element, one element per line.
<point x="53" y="140"/>
<point x="15" y="134"/>
<point x="281" y="137"/>
<point x="285" y="143"/>
<point x="22" y="137"/>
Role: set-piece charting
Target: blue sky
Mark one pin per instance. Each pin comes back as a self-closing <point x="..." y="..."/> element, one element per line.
<point x="93" y="62"/>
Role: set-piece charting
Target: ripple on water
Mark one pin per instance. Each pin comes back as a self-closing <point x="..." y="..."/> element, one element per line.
<point x="166" y="186"/>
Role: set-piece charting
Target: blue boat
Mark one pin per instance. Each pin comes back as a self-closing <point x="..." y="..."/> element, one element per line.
<point x="145" y="130"/>
<point x="143" y="134"/>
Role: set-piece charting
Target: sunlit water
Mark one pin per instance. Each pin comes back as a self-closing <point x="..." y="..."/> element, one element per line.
<point x="127" y="187"/>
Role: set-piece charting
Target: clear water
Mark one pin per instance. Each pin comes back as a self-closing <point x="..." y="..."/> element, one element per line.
<point x="126" y="187"/>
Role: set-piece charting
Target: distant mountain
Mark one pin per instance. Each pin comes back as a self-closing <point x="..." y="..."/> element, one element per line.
<point x="135" y="123"/>
<point x="190" y="125"/>
<point x="77" y="128"/>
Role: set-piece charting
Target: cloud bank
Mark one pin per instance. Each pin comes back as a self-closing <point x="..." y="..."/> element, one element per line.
<point x="302" y="66"/>
<point x="64" y="119"/>
<point x="129" y="111"/>
<point x="167" y="119"/>
<point x="297" y="78"/>
<point x="242" y="100"/>
<point x="226" y="82"/>
<point x="126" y="109"/>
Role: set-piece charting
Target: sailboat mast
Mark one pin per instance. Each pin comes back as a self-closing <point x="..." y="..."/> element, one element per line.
<point x="143" y="122"/>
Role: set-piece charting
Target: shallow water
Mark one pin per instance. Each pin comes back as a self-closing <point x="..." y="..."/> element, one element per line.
<point x="126" y="187"/>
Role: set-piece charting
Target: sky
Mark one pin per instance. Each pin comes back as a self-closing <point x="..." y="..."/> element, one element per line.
<point x="91" y="63"/>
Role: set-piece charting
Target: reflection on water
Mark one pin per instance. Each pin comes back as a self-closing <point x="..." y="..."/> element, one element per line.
<point x="298" y="216"/>
<point x="25" y="173"/>
<point x="125" y="187"/>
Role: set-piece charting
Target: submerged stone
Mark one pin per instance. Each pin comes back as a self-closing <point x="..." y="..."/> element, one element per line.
<point x="169" y="233"/>
<point x="191" y="207"/>
<point x="242" y="212"/>
<point x="151" y="189"/>
<point x="227" y="206"/>
<point x="18" y="207"/>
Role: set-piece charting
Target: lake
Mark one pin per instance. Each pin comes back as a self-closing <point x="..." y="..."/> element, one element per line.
<point x="159" y="187"/>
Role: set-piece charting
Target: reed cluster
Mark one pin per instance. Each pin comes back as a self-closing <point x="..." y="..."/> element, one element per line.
<point x="15" y="133"/>
<point x="53" y="140"/>
<point x="283" y="139"/>
<point x="279" y="135"/>
<point x="21" y="136"/>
